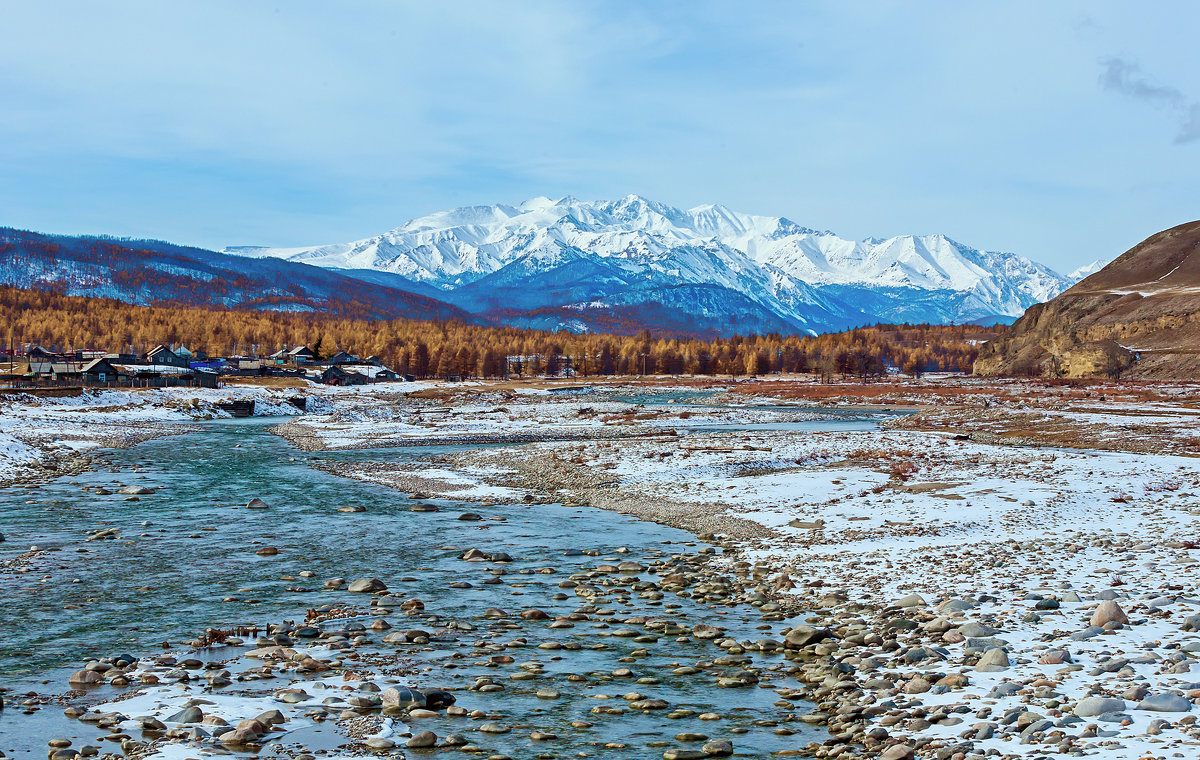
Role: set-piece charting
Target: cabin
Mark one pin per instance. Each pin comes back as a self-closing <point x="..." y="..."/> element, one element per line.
<point x="341" y="357"/>
<point x="100" y="372"/>
<point x="335" y="375"/>
<point x="38" y="353"/>
<point x="161" y="355"/>
<point x="300" y="354"/>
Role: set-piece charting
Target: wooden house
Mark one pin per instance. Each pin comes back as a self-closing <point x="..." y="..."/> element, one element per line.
<point x="166" y="357"/>
<point x="100" y="372"/>
<point x="300" y="354"/>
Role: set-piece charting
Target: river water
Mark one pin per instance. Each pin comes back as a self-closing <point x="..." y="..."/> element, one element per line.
<point x="189" y="547"/>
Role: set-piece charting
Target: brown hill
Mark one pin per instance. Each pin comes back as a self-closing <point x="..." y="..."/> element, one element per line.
<point x="1137" y="317"/>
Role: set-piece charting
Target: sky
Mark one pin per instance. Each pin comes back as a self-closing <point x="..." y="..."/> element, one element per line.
<point x="1065" y="131"/>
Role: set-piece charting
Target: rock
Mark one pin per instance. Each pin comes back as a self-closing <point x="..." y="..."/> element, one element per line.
<point x="803" y="635"/>
<point x="367" y="586"/>
<point x="378" y="742"/>
<point x="422" y="740"/>
<point x="494" y="728"/>
<point x="1166" y="703"/>
<point x="974" y="630"/>
<point x="1109" y="612"/>
<point x="1191" y="623"/>
<point x="683" y="754"/>
<point x="718" y="748"/>
<point x="239" y="737"/>
<point x="470" y="517"/>
<point x="437" y="697"/>
<point x="402" y="696"/>
<point x="993" y="659"/>
<point x="85" y="678"/>
<point x="136" y="491"/>
<point x="912" y="600"/>
<point x="1055" y="657"/>
<point x="256" y="503"/>
<point x="1089" y="707"/>
<point x="897" y="752"/>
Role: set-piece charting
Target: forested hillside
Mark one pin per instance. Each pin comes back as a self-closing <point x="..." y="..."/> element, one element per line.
<point x="431" y="348"/>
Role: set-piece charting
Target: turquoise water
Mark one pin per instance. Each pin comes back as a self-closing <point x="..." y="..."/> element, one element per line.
<point x="184" y="549"/>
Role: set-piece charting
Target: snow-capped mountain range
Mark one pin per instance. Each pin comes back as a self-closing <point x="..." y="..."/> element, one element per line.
<point x="568" y="261"/>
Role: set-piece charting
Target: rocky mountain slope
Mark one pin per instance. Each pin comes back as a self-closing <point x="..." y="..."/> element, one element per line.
<point x="583" y="259"/>
<point x="1138" y="316"/>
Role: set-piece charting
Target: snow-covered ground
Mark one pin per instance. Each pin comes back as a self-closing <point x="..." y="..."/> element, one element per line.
<point x="43" y="430"/>
<point x="977" y="588"/>
<point x="1012" y="548"/>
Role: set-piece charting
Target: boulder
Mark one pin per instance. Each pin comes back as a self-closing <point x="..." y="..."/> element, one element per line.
<point x="85" y="678"/>
<point x="717" y="748"/>
<point x="993" y="659"/>
<point x="402" y="696"/>
<point x="1109" y="611"/>
<point x="1166" y="703"/>
<point x="1090" y="707"/>
<point x="240" y="737"/>
<point x="422" y="740"/>
<point x="803" y="635"/>
<point x="367" y="586"/>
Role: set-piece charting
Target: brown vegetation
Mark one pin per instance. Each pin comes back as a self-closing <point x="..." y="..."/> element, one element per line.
<point x="438" y="349"/>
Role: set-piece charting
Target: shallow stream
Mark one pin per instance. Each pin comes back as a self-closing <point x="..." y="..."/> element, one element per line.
<point x="185" y="559"/>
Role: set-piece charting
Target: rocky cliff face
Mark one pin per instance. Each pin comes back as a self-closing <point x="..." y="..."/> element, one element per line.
<point x="1138" y="317"/>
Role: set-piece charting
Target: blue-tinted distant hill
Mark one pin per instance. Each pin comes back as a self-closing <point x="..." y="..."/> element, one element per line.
<point x="152" y="272"/>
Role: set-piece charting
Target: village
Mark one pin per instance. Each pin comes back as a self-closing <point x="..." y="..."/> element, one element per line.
<point x="32" y="366"/>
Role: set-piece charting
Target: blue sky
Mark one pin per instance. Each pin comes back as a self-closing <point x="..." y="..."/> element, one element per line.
<point x="1062" y="131"/>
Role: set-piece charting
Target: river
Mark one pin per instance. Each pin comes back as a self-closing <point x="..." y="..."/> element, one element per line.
<point x="186" y="549"/>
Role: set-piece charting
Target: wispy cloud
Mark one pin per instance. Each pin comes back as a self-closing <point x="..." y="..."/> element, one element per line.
<point x="1125" y="77"/>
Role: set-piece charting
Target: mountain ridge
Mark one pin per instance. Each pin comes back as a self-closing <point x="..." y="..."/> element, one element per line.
<point x="154" y="272"/>
<point x="811" y="280"/>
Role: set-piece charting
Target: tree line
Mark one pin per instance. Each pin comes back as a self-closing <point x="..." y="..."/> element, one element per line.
<point x="451" y="348"/>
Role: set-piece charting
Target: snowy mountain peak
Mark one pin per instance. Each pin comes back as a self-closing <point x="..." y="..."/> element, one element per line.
<point x="1088" y="269"/>
<point x="559" y="248"/>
